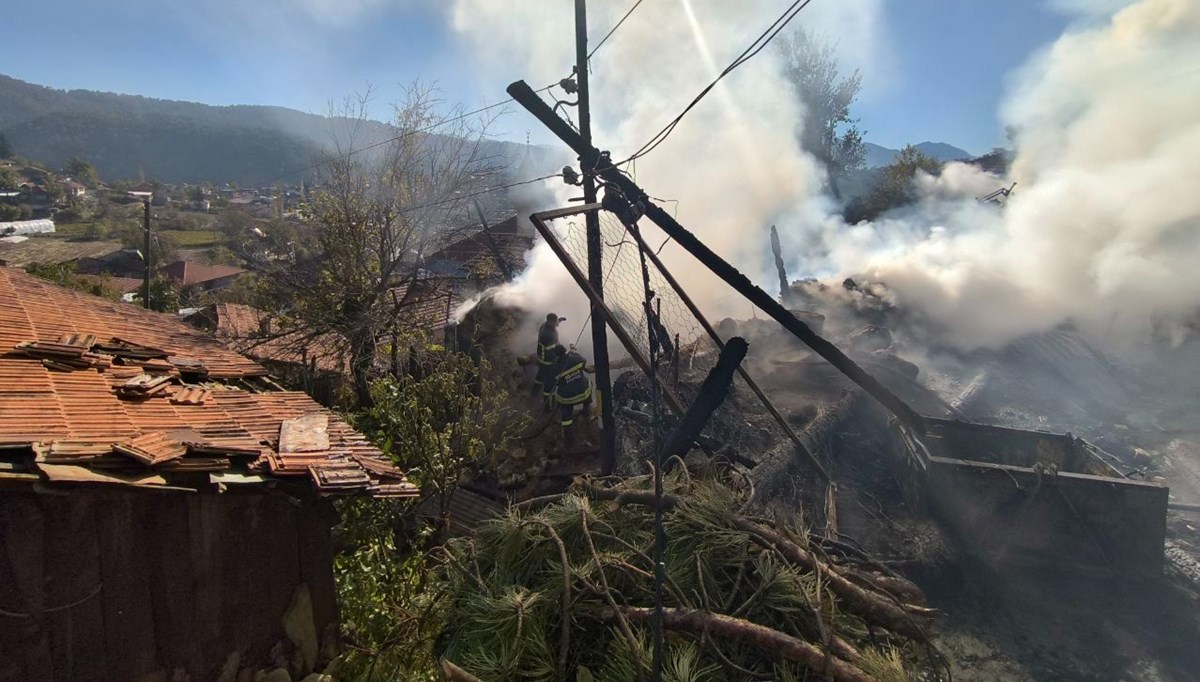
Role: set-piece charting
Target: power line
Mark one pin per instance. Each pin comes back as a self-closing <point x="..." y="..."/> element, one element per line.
<point x="401" y="136"/>
<point x="614" y="28"/>
<point x="489" y="190"/>
<point x="755" y="47"/>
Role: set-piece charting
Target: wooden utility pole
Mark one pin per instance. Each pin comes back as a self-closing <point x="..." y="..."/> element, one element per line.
<point x="146" y="255"/>
<point x="608" y="460"/>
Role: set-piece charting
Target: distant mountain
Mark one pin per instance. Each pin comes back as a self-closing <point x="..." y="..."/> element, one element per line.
<point x="128" y="136"/>
<point x="881" y="156"/>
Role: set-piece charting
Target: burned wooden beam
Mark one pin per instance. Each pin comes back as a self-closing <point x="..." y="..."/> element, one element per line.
<point x="777" y="251"/>
<point x="712" y="394"/>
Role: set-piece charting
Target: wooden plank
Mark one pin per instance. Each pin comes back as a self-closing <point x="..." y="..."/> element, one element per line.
<point x="23" y="531"/>
<point x="128" y="620"/>
<point x="205" y="534"/>
<point x="173" y="601"/>
<point x="314" y="521"/>
<point x="309" y="433"/>
<point x="74" y="608"/>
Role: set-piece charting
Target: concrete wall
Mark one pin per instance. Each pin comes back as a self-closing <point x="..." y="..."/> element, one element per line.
<point x="139" y="585"/>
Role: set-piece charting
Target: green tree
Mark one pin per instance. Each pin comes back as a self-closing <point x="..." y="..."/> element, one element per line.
<point x="233" y="223"/>
<point x="895" y="186"/>
<point x="6" y="150"/>
<point x="63" y="275"/>
<point x="829" y="131"/>
<point x="9" y="178"/>
<point x="82" y="172"/>
<point x="163" y="296"/>
<point x="373" y="219"/>
<point x="440" y="425"/>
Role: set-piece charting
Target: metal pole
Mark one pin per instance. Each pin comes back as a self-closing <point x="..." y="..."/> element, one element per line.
<point x="526" y="97"/>
<point x="146" y="255"/>
<point x="608" y="460"/>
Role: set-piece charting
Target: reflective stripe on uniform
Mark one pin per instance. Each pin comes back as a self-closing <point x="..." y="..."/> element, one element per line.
<point x="568" y="422"/>
<point x="542" y="355"/>
<point x="575" y="399"/>
<point x="570" y="370"/>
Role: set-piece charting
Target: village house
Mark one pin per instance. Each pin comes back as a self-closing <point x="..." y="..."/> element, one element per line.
<point x="164" y="505"/>
<point x="185" y="274"/>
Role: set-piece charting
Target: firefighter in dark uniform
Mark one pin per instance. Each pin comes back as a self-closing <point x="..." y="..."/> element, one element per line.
<point x="572" y="389"/>
<point x="547" y="341"/>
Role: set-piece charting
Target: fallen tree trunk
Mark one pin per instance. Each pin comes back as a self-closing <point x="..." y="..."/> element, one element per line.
<point x="699" y="623"/>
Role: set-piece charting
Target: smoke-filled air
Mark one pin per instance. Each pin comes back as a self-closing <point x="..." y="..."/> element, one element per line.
<point x="1101" y="229"/>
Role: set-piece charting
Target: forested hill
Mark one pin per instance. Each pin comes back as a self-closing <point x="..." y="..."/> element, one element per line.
<point x="128" y="136"/>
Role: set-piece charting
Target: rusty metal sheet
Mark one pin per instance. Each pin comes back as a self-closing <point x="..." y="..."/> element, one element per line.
<point x="309" y="433"/>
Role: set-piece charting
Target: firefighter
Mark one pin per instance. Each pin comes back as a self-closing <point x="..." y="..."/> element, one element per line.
<point x="572" y="388"/>
<point x="547" y="341"/>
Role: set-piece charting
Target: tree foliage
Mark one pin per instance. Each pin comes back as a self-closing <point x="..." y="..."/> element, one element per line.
<point x="63" y="274"/>
<point x="82" y="172"/>
<point x="9" y="178"/>
<point x="894" y="187"/>
<point x="371" y="221"/>
<point x="566" y="593"/>
<point x="829" y="131"/>
<point x="6" y="150"/>
<point x="439" y="423"/>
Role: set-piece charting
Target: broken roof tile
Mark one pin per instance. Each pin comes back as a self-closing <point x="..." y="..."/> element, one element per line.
<point x="73" y="416"/>
<point x="151" y="449"/>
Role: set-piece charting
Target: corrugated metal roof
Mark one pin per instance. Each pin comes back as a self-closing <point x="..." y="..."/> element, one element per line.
<point x="76" y="414"/>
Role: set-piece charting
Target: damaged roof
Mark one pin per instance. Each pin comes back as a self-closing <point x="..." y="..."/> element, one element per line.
<point x="256" y="333"/>
<point x="93" y="391"/>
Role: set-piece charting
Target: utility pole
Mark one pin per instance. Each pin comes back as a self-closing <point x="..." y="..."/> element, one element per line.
<point x="594" y="244"/>
<point x="146" y="254"/>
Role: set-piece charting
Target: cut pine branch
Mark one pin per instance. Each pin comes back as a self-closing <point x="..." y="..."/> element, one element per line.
<point x="699" y="623"/>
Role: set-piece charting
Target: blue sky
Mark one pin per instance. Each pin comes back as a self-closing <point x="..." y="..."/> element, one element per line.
<point x="946" y="70"/>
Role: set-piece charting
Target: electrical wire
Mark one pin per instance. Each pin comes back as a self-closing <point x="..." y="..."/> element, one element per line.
<point x="401" y="136"/>
<point x="489" y="190"/>
<point x="755" y="47"/>
<point x="614" y="28"/>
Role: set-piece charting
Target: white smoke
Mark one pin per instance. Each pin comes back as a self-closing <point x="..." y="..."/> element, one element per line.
<point x="732" y="164"/>
<point x="1103" y="228"/>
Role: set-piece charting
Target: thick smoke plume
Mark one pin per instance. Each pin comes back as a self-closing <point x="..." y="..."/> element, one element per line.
<point x="1103" y="228"/>
<point x="732" y="165"/>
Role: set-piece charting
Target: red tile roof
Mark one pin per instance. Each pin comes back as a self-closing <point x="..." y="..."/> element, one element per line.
<point x="187" y="273"/>
<point x="76" y="409"/>
<point x="477" y="251"/>
<point x="250" y="330"/>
